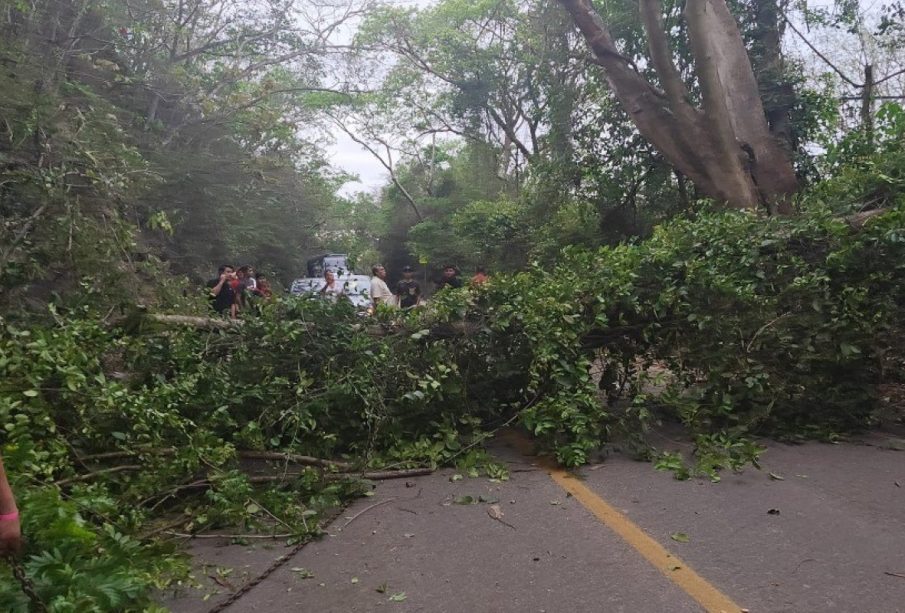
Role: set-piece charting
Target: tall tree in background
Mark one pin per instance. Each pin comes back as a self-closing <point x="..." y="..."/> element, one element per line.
<point x="724" y="146"/>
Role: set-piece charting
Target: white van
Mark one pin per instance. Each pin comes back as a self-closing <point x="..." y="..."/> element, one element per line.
<point x="356" y="288"/>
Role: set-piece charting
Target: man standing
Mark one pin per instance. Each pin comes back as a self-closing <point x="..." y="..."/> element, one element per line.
<point x="223" y="292"/>
<point x="380" y="293"/>
<point x="450" y="278"/>
<point x="408" y="290"/>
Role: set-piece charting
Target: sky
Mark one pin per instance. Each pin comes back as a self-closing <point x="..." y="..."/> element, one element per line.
<point x="345" y="154"/>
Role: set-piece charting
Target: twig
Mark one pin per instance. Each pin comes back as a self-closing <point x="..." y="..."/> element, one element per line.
<point x="113" y="455"/>
<point x="365" y="510"/>
<point x="222" y="582"/>
<point x="20" y="236"/>
<point x="892" y="574"/>
<point x="164" y="528"/>
<point x="761" y="329"/>
<point x="382" y="475"/>
<point x="97" y="473"/>
<point x="228" y="536"/>
<point x="502" y="521"/>
<point x="820" y="55"/>
<point x="304" y="460"/>
<point x="274" y="517"/>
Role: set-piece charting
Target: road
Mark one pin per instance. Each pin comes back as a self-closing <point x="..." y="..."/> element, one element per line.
<point x="826" y="532"/>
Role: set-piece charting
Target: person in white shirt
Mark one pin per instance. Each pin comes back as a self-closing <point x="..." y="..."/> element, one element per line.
<point x="331" y="289"/>
<point x="380" y="293"/>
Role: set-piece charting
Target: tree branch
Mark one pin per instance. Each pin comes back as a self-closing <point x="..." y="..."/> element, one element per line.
<point x="661" y="55"/>
<point x="386" y="164"/>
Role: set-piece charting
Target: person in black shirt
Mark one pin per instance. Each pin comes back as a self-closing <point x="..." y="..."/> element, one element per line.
<point x="450" y="278"/>
<point x="223" y="291"/>
<point x="408" y="290"/>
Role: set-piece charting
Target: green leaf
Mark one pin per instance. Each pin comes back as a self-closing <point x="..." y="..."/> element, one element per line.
<point x="398" y="597"/>
<point x="30" y="393"/>
<point x="679" y="537"/>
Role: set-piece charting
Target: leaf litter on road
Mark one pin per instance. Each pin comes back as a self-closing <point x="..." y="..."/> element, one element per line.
<point x="495" y="512"/>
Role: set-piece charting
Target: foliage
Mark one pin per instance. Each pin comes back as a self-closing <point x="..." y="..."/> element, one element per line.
<point x="733" y="323"/>
<point x="150" y="142"/>
<point x="158" y="132"/>
<point x="115" y="432"/>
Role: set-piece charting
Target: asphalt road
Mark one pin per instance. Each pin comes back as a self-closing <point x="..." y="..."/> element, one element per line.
<point x="826" y="532"/>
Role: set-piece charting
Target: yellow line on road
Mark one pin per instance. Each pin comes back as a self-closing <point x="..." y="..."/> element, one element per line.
<point x="677" y="571"/>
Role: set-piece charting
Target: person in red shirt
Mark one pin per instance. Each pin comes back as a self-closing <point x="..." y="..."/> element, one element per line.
<point x="262" y="286"/>
<point x="10" y="529"/>
<point x="480" y="276"/>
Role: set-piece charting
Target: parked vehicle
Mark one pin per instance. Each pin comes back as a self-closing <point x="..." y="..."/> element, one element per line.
<point x="337" y="262"/>
<point x="356" y="289"/>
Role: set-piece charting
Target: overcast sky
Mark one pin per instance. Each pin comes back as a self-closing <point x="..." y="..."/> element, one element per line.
<point x="351" y="157"/>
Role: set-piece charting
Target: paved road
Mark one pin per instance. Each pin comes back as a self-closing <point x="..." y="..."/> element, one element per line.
<point x="834" y="541"/>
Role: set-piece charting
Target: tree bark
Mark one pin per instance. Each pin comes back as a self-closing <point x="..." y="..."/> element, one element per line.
<point x="777" y="92"/>
<point x="725" y="147"/>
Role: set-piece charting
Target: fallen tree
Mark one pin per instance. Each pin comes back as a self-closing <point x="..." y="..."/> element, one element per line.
<point x="762" y="325"/>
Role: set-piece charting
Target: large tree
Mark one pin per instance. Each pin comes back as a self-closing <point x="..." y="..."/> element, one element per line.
<point x="724" y="144"/>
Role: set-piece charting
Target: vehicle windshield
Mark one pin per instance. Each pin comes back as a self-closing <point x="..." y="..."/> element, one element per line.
<point x="354" y="287"/>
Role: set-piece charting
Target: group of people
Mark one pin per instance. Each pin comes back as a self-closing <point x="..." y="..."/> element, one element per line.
<point x="235" y="290"/>
<point x="408" y="291"/>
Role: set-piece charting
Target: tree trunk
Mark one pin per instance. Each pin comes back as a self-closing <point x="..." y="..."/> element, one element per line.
<point x="725" y="147"/>
<point x="776" y="90"/>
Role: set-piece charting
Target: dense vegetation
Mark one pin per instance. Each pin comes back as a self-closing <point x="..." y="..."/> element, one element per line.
<point x="143" y="143"/>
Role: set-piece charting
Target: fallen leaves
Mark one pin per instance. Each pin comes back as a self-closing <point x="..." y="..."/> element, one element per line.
<point x="495" y="512"/>
<point x="302" y="573"/>
<point x="679" y="537"/>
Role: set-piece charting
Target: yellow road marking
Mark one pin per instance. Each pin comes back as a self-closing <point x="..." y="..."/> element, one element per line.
<point x="677" y="571"/>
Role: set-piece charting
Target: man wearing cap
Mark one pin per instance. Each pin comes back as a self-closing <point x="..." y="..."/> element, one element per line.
<point x="408" y="290"/>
